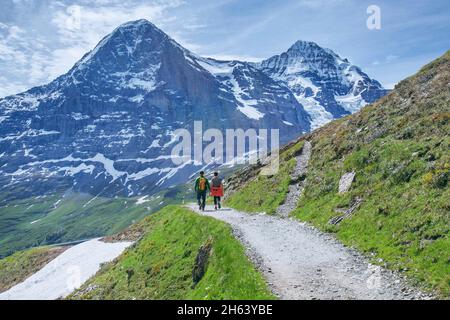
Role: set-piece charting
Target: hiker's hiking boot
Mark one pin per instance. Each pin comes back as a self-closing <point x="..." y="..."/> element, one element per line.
<point x="215" y="207"/>
<point x="220" y="206"/>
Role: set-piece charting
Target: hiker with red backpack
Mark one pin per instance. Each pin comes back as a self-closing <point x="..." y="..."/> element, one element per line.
<point x="202" y="187"/>
<point x="217" y="190"/>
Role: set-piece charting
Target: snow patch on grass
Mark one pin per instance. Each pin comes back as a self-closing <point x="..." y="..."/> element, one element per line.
<point x="67" y="272"/>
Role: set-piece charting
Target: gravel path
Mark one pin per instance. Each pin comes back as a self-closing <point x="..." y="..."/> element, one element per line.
<point x="299" y="262"/>
<point x="295" y="190"/>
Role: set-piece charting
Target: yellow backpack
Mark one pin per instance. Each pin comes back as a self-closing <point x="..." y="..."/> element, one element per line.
<point x="202" y="184"/>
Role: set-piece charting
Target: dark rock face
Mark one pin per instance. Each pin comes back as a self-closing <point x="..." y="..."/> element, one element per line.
<point x="107" y="126"/>
<point x="201" y="262"/>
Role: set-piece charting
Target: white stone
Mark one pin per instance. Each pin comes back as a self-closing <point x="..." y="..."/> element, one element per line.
<point x="346" y="182"/>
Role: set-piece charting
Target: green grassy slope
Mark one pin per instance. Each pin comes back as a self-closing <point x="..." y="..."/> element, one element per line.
<point x="19" y="266"/>
<point x="399" y="150"/>
<point x="68" y="216"/>
<point x="264" y="193"/>
<point x="160" y="265"/>
<point x="61" y="218"/>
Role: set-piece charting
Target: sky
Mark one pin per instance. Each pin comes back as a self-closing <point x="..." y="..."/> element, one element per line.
<point x="42" y="39"/>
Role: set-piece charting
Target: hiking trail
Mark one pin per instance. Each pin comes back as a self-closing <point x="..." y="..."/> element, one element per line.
<point x="300" y="262"/>
<point x="296" y="189"/>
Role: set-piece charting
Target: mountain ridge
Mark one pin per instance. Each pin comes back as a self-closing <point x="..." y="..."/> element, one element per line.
<point x="328" y="86"/>
<point x="123" y="100"/>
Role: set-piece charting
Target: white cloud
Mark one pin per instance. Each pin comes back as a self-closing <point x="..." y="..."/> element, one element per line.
<point x="16" y="59"/>
<point x="386" y="60"/>
<point x="390" y="85"/>
<point x="235" y="57"/>
<point x="7" y="87"/>
<point x="258" y="25"/>
<point x="31" y="58"/>
<point x="319" y="3"/>
<point x="81" y="33"/>
<point x="391" y="58"/>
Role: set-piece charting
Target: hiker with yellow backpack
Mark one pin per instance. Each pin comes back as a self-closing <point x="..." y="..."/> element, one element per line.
<point x="202" y="187"/>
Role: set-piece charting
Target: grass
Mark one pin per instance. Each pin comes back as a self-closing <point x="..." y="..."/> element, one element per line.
<point x="160" y="265"/>
<point x="402" y="220"/>
<point x="267" y="193"/>
<point x="401" y="174"/>
<point x="19" y="266"/>
<point x="398" y="148"/>
<point x="69" y="216"/>
<point x="62" y="218"/>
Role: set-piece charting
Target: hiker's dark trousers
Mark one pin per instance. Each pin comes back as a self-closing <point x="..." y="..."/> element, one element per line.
<point x="216" y="200"/>
<point x="201" y="198"/>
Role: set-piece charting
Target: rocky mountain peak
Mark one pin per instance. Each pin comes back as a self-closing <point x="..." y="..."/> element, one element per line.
<point x="302" y="46"/>
<point x="325" y="84"/>
<point x="107" y="126"/>
<point x="129" y="43"/>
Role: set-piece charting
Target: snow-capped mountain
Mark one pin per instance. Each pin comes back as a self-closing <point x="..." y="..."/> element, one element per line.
<point x="326" y="85"/>
<point x="107" y="126"/>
